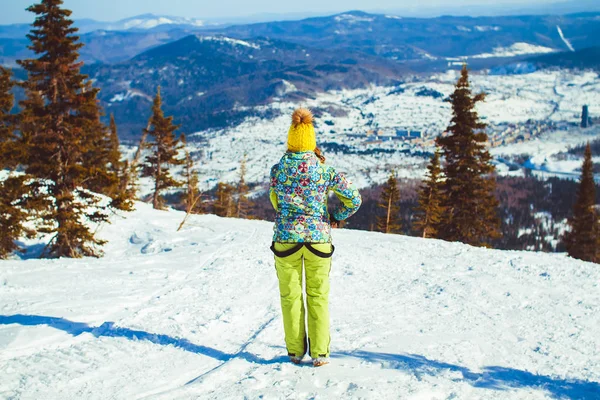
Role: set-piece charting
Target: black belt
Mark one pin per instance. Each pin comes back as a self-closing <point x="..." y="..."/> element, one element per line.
<point x="298" y="246"/>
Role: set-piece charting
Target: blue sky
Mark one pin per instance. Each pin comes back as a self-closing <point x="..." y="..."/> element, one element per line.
<point x="112" y="10"/>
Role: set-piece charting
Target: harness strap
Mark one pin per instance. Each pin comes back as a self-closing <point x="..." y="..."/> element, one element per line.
<point x="286" y="253"/>
<point x="295" y="249"/>
<point x="320" y="253"/>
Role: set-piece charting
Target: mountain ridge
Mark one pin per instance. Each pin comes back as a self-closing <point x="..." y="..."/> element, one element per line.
<point x="212" y="78"/>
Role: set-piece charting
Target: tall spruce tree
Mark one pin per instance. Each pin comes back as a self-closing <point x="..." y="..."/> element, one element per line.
<point x="61" y="130"/>
<point x="389" y="222"/>
<point x="115" y="165"/>
<point x="470" y="206"/>
<point x="164" y="151"/>
<point x="583" y="240"/>
<point x="121" y="191"/>
<point x="429" y="212"/>
<point x="131" y="171"/>
<point x="243" y="202"/>
<point x="12" y="188"/>
<point x="7" y="121"/>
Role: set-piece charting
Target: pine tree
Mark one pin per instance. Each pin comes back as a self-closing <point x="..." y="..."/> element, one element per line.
<point x="224" y="205"/>
<point x="164" y="151"/>
<point x="390" y="198"/>
<point x="114" y="154"/>
<point x="14" y="196"/>
<point x="61" y="131"/>
<point x="131" y="169"/>
<point x="193" y="195"/>
<point x="243" y="202"/>
<point x="583" y="240"/>
<point x="7" y="121"/>
<point x="470" y="206"/>
<point x="103" y="174"/>
<point x="429" y="212"/>
<point x="12" y="189"/>
<point x="122" y="193"/>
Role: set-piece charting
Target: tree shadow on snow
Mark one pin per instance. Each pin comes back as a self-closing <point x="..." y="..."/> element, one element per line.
<point x="108" y="329"/>
<point x="30" y="251"/>
<point x="492" y="377"/>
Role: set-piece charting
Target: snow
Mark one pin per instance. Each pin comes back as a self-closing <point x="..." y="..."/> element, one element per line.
<point x="546" y="151"/>
<point x="195" y="314"/>
<point x="223" y="39"/>
<point x="152" y="21"/>
<point x="550" y="96"/>
<point x="564" y="39"/>
<point x="487" y="28"/>
<point x="288" y="87"/>
<point x="147" y="23"/>
<point x="120" y="97"/>
<point x="516" y="49"/>
<point x="352" y="19"/>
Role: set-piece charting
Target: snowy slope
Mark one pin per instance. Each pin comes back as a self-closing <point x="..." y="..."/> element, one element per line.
<point x="517" y="49"/>
<point x="149" y="21"/>
<point x="195" y="314"/>
<point x="549" y="96"/>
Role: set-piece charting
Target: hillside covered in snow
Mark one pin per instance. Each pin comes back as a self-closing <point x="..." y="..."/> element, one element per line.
<point x="346" y="118"/>
<point x="195" y="314"/>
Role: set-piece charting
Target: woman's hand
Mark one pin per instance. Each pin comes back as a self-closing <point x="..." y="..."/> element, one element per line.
<point x="333" y="222"/>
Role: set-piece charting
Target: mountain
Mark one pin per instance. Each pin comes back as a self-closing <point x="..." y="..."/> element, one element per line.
<point x="196" y="314"/>
<point x="150" y="21"/>
<point x="210" y="81"/>
<point x="215" y="77"/>
<point x="145" y="22"/>
<point x="401" y="38"/>
<point x="107" y="42"/>
<point x="548" y="7"/>
<point x="13" y="49"/>
<point x="388" y="36"/>
<point x="100" y="46"/>
<point x="580" y="59"/>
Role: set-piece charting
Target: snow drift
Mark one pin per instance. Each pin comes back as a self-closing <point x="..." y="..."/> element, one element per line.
<point x="195" y="314"/>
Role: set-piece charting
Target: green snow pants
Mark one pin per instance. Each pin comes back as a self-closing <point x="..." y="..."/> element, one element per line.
<point x="289" y="273"/>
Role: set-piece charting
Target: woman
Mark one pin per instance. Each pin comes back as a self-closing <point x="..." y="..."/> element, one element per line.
<point x="300" y="184"/>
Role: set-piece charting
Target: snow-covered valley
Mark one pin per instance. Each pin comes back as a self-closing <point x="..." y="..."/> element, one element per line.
<point x="358" y="128"/>
<point x="195" y="314"/>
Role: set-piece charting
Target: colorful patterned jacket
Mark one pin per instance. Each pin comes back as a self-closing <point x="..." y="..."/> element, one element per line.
<point x="300" y="185"/>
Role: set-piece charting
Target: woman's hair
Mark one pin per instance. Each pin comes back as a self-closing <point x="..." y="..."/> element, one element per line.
<point x="320" y="155"/>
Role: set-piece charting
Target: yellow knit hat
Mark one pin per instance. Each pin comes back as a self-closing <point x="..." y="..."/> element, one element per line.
<point x="301" y="136"/>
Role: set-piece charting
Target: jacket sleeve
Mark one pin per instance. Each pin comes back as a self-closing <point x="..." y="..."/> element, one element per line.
<point x="348" y="195"/>
<point x="272" y="193"/>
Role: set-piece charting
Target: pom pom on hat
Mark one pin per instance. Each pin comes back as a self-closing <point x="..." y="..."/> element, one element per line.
<point x="301" y="136"/>
<point x="302" y="116"/>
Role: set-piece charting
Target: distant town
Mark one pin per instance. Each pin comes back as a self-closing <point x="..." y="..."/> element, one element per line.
<point x="499" y="134"/>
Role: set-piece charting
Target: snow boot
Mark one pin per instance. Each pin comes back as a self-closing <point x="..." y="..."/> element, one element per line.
<point x="319" y="362"/>
<point x="296" y="360"/>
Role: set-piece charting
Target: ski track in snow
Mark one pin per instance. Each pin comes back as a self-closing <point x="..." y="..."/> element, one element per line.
<point x="195" y="314"/>
<point x="564" y="39"/>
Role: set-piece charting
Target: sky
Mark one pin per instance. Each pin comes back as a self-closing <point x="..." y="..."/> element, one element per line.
<point x="13" y="11"/>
